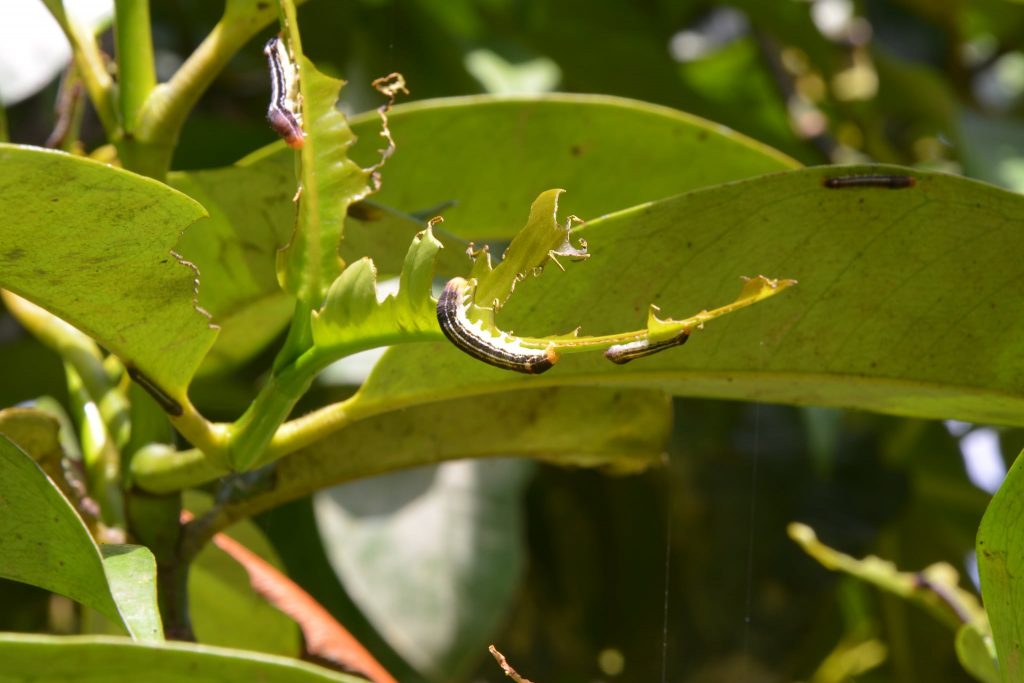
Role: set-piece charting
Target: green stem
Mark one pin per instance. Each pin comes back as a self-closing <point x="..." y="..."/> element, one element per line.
<point x="251" y="434"/>
<point x="157" y="470"/>
<point x="135" y="68"/>
<point x="299" y="339"/>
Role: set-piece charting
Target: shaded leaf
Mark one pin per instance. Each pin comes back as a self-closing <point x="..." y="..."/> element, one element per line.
<point x="976" y="653"/>
<point x="92" y="244"/>
<point x="224" y="608"/>
<point x="43" y="542"/>
<point x="1001" y="564"/>
<point x="251" y="216"/>
<point x="625" y="432"/>
<point x="53" y="659"/>
<point x="34" y="431"/>
<point x="431" y="556"/>
<point x="325" y="638"/>
<point x="492" y="156"/>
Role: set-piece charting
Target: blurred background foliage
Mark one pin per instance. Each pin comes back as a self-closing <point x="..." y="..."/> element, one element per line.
<point x="683" y="573"/>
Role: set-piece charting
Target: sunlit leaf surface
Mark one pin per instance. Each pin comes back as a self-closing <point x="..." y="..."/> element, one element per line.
<point x="908" y="299"/>
<point x="92" y="244"/>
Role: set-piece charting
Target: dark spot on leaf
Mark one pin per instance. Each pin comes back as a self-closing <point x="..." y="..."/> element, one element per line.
<point x="262" y="5"/>
<point x="702" y="135"/>
<point x="14" y="254"/>
<point x="163" y="260"/>
<point x="575" y="150"/>
<point x="689" y="244"/>
<point x="55" y="199"/>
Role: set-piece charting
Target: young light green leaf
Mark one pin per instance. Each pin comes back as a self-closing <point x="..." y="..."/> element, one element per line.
<point x="54" y="659"/>
<point x="43" y="542"/>
<point x="1000" y="549"/>
<point x="352" y="318"/>
<point x="541" y="240"/>
<point x="92" y="244"/>
<point x="329" y="182"/>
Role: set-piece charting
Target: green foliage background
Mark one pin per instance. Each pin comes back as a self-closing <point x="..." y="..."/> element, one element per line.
<point x="571" y="568"/>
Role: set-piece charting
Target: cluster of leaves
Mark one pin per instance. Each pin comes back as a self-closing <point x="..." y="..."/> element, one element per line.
<point x="889" y="317"/>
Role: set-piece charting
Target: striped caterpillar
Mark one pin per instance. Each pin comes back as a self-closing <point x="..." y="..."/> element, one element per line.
<point x="169" y="405"/>
<point x="891" y="182"/>
<point x="283" y="113"/>
<point x="621" y="354"/>
<point x="501" y="350"/>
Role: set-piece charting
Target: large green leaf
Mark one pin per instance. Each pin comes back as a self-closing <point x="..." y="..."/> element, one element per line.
<point x="92" y="244"/>
<point x="43" y="542"/>
<point x="51" y="659"/>
<point x="908" y="301"/>
<point x="492" y="156"/>
<point x="1001" y="565"/>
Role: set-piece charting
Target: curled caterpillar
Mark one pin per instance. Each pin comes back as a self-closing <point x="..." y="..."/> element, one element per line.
<point x="500" y="350"/>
